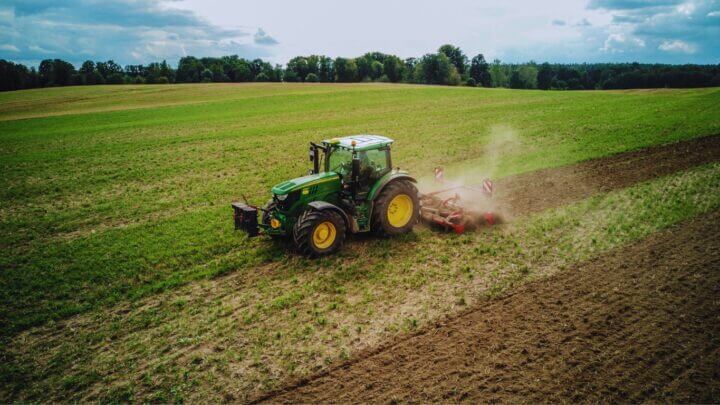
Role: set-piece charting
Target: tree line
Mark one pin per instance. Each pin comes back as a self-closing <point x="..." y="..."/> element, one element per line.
<point x="448" y="66"/>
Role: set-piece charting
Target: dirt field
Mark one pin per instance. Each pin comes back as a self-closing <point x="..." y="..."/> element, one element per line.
<point x="639" y="323"/>
<point x="549" y="188"/>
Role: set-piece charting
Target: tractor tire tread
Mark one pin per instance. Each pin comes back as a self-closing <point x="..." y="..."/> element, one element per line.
<point x="380" y="224"/>
<point x="305" y="226"/>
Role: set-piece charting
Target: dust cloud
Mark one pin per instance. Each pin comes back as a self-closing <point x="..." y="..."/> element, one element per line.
<point x="467" y="182"/>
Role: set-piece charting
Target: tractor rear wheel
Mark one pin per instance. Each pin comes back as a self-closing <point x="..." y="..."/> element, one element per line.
<point x="396" y="208"/>
<point x="319" y="233"/>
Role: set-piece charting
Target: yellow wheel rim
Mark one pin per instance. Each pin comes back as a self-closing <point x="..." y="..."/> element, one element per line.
<point x="400" y="210"/>
<point x="324" y="235"/>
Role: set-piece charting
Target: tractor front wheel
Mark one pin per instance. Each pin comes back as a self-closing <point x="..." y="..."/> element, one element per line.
<point x="319" y="233"/>
<point x="396" y="208"/>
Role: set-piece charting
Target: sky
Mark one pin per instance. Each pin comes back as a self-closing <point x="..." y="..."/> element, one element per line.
<point x="143" y="31"/>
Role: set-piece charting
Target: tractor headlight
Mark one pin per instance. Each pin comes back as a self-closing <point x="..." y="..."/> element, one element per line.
<point x="274" y="223"/>
<point x="281" y="197"/>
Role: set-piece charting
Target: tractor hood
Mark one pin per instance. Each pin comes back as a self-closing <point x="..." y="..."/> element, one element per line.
<point x="295" y="184"/>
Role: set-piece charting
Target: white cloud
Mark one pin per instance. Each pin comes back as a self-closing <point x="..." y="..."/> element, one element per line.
<point x="40" y="49"/>
<point x="141" y="31"/>
<point x="686" y="8"/>
<point x="672" y="31"/>
<point x="621" y="42"/>
<point x="677" y="46"/>
<point x="9" y="47"/>
<point x="262" y="38"/>
<point x="127" y="31"/>
<point x="514" y="31"/>
<point x="583" y="23"/>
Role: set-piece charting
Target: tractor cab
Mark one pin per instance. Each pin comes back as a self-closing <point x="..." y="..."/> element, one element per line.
<point x="359" y="161"/>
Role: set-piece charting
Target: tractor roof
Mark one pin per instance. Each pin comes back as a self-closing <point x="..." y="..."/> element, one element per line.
<point x="362" y="142"/>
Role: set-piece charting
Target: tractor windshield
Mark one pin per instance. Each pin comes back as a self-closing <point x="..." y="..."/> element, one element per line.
<point x="340" y="161"/>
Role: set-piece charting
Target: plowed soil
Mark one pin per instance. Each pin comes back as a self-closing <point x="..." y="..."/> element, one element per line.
<point x="639" y="323"/>
<point x="554" y="187"/>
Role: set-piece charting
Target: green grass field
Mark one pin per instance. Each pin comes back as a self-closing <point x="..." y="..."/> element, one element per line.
<point x="115" y="223"/>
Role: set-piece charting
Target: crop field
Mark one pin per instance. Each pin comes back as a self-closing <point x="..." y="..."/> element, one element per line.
<point x="121" y="277"/>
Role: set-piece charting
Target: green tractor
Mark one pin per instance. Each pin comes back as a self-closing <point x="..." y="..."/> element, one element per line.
<point x="351" y="188"/>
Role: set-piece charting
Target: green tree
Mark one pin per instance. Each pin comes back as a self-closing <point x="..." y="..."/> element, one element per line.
<point x="364" y="69"/>
<point x="325" y="69"/>
<point x="258" y="66"/>
<point x="345" y="70"/>
<point x="312" y="78"/>
<point x="106" y="69"/>
<point x="528" y="74"/>
<point x="545" y="76"/>
<point x="189" y="70"/>
<point x="376" y="70"/>
<point x="87" y="72"/>
<point x="524" y="77"/>
<point x="167" y="71"/>
<point x="313" y="64"/>
<point x="240" y="70"/>
<point x="409" y="69"/>
<point x="290" y="76"/>
<point x="276" y="75"/>
<point x="206" y="75"/>
<point x="456" y="56"/>
<point x="515" y="81"/>
<point x="393" y="68"/>
<point x="299" y="66"/>
<point x="115" y="78"/>
<point x="16" y="76"/>
<point x="498" y="74"/>
<point x="480" y="71"/>
<point x="56" y="72"/>
<point x="92" y="76"/>
<point x="436" y="68"/>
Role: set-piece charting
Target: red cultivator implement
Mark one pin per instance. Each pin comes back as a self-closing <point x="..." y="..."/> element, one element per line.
<point x="445" y="207"/>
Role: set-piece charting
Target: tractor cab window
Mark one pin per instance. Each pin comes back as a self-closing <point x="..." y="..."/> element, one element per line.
<point x="340" y="161"/>
<point x="373" y="165"/>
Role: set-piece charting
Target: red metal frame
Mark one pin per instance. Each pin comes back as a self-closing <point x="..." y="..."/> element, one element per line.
<point x="449" y="212"/>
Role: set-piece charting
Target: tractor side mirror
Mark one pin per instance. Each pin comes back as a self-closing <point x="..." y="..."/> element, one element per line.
<point x="314" y="158"/>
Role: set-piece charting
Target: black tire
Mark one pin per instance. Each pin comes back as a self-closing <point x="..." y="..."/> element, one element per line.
<point x="271" y="204"/>
<point x="306" y="227"/>
<point x="380" y="222"/>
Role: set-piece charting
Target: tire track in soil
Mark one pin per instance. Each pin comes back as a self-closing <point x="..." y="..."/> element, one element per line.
<point x="638" y="323"/>
<point x="543" y="189"/>
<point x="521" y="355"/>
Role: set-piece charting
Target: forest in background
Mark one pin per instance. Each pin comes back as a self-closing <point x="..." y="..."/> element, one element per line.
<point x="448" y="66"/>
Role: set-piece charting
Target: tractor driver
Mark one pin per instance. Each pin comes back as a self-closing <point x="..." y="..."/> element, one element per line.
<point x="367" y="170"/>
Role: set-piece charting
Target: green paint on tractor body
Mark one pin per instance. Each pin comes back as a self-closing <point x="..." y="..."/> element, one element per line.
<point x="347" y="176"/>
<point x="305" y="181"/>
<point x="291" y="198"/>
